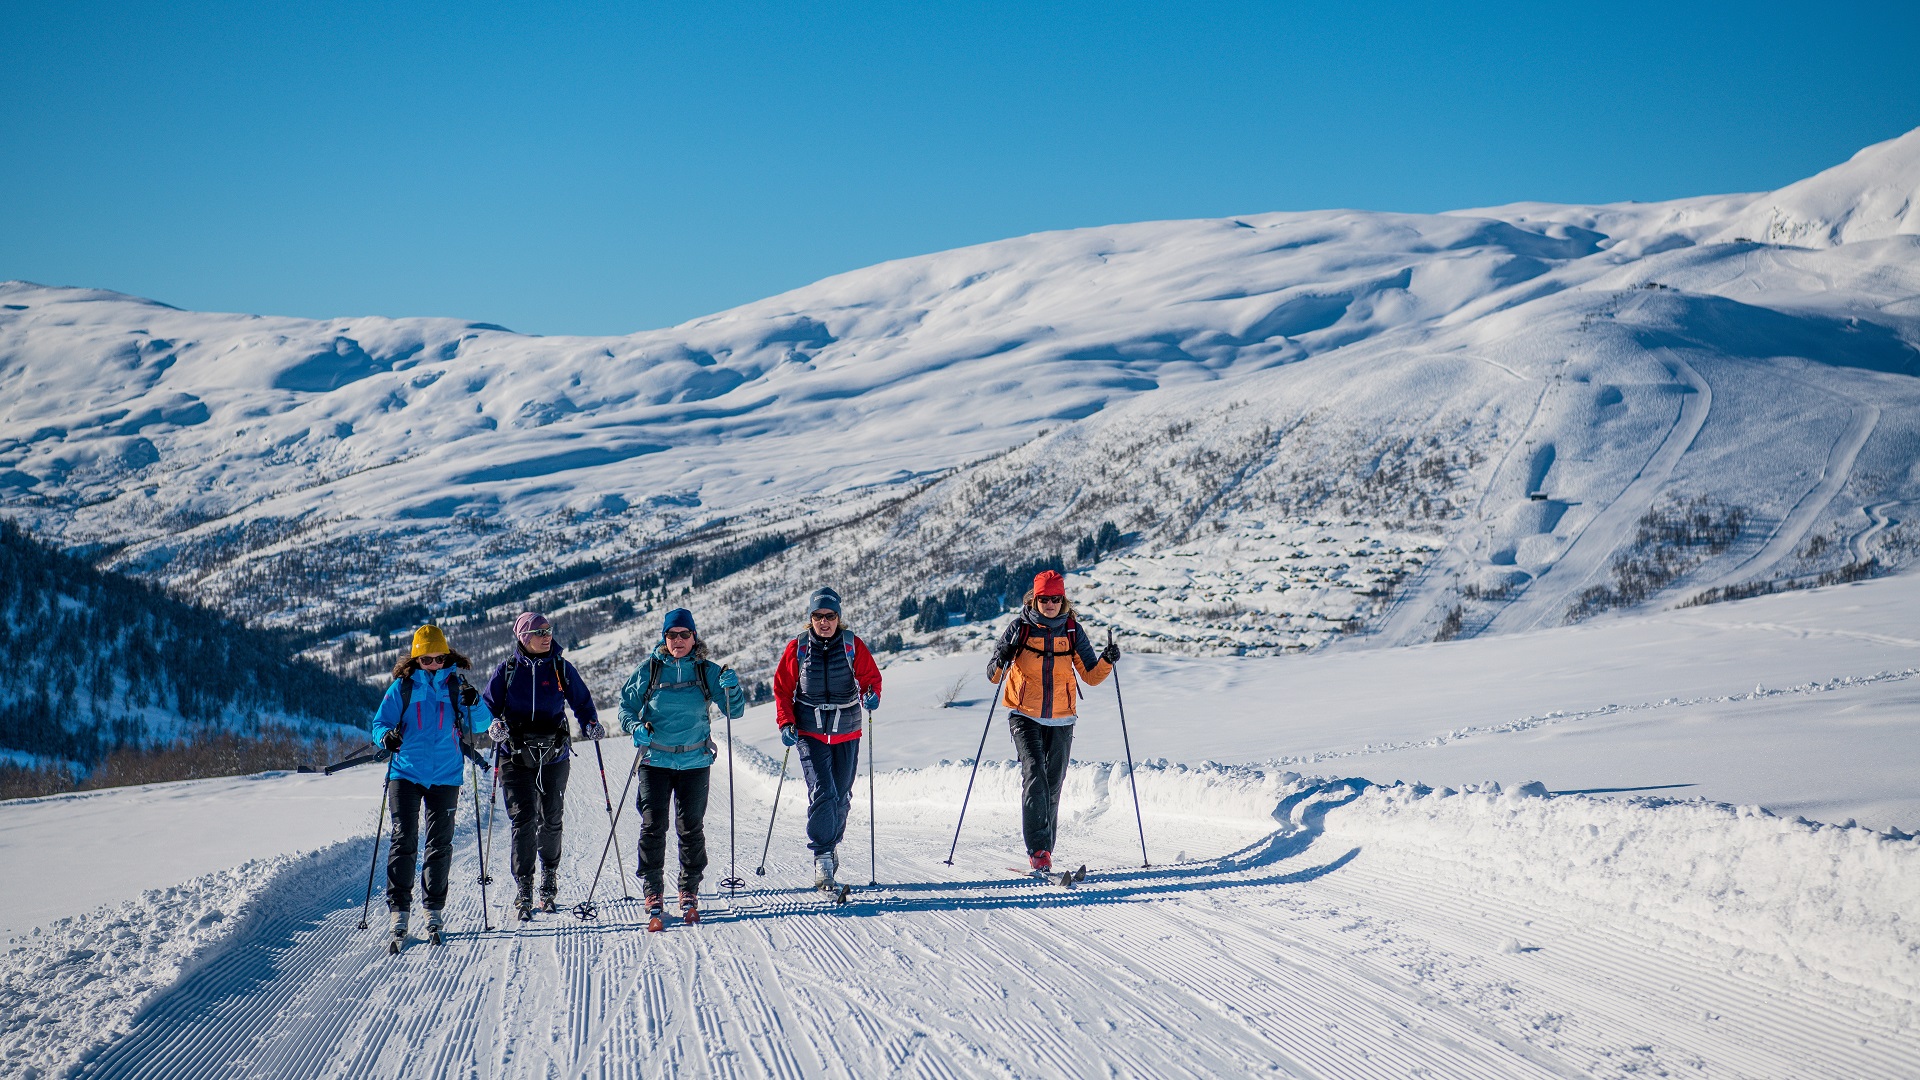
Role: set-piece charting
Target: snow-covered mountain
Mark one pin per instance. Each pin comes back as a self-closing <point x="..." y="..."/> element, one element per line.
<point x="1446" y="424"/>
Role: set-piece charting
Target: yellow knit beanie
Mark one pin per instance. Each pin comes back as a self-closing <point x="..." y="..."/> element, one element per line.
<point x="430" y="641"/>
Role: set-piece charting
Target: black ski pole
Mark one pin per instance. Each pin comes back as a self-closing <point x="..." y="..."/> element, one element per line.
<point x="486" y="918"/>
<point x="873" y="836"/>
<point x="733" y="882"/>
<point x="584" y="910"/>
<point x="607" y="793"/>
<point x="768" y="846"/>
<point x="493" y="800"/>
<point x="1122" y="702"/>
<point x="976" y="771"/>
<point x="379" y="824"/>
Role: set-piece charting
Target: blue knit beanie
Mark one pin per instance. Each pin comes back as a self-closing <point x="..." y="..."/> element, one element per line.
<point x="824" y="599"/>
<point x="678" y="619"/>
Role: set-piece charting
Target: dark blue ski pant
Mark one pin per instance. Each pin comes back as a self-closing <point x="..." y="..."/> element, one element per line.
<point x="830" y="771"/>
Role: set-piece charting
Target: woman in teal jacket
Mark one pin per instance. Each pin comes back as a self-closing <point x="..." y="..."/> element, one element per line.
<point x="664" y="707"/>
<point x="423" y="721"/>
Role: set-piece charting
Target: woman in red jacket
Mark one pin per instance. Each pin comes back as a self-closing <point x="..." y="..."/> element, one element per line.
<point x="826" y="675"/>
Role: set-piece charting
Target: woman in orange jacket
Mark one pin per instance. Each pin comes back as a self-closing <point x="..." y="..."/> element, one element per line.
<point x="1039" y="657"/>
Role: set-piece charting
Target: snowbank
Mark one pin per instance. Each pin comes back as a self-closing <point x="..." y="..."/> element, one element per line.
<point x="1826" y="901"/>
<point x="69" y="989"/>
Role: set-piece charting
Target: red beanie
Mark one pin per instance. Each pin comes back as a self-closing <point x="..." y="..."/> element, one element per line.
<point x="1049" y="583"/>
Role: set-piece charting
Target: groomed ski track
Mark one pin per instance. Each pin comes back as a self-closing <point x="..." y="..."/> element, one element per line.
<point x="1260" y="948"/>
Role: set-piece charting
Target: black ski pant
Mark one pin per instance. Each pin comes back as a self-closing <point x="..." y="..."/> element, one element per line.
<point x="1044" y="752"/>
<point x="686" y="791"/>
<point x="536" y="797"/>
<point x="830" y="769"/>
<point x="404" y="799"/>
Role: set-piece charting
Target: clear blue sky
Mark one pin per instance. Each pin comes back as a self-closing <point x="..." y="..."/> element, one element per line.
<point x="607" y="168"/>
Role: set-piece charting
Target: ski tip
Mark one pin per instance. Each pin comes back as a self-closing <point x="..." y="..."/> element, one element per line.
<point x="393" y="947"/>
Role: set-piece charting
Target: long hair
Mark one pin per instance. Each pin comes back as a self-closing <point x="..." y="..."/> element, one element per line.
<point x="408" y="665"/>
<point x="1066" y="605"/>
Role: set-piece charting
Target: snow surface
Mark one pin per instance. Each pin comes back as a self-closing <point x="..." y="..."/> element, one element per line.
<point x="1293" y="922"/>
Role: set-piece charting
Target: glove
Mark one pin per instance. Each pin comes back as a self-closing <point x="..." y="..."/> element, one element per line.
<point x="391" y="740"/>
<point x="497" y="731"/>
<point x="469" y="697"/>
<point x="1111" y="653"/>
<point x="592" y="730"/>
<point x="871" y="700"/>
<point x="728" y="680"/>
<point x="642" y="738"/>
<point x="1004" y="655"/>
<point x="790" y="734"/>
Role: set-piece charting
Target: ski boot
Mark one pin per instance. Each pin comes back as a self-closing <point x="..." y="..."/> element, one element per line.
<point x="397" y="936"/>
<point x="1041" y="861"/>
<point x="824" y="867"/>
<point x="549" y="890"/>
<point x="656" y="913"/>
<point x="690" y="906"/>
<point x="523" y="898"/>
<point x="436" y="927"/>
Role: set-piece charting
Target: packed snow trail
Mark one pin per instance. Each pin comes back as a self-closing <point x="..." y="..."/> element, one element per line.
<point x="1292" y="951"/>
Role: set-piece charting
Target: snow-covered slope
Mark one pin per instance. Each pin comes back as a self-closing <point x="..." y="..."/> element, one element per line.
<point x="1545" y="395"/>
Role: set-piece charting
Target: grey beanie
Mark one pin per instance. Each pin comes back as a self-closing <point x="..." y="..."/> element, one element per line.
<point x="824" y="599"/>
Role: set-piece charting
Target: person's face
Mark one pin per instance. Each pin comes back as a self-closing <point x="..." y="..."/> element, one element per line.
<point x="1050" y="605"/>
<point x="539" y="641"/>
<point x="825" y="622"/>
<point x="433" y="662"/>
<point x="679" y="642"/>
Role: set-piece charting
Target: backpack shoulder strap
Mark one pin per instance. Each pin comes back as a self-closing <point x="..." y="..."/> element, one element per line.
<point x="406" y="695"/>
<point x="700" y="676"/>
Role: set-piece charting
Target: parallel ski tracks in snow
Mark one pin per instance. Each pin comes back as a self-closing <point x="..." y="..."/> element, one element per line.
<point x="1293" y="956"/>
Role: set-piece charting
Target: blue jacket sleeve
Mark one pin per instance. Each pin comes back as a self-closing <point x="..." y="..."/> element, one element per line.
<point x="387" y="716"/>
<point x="732" y="702"/>
<point x="579" y="696"/>
<point x="633" y="698"/>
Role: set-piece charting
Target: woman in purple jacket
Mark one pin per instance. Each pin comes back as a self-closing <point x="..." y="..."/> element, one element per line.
<point x="528" y="696"/>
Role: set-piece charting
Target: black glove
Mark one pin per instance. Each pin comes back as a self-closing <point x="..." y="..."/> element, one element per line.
<point x="1111" y="653"/>
<point x="469" y="697"/>
<point x="1004" y="655"/>
<point x="391" y="740"/>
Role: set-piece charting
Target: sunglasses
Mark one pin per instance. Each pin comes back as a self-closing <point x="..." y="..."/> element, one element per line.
<point x="825" y="616"/>
<point x="679" y="635"/>
<point x="540" y="633"/>
<point x="436" y="660"/>
<point x="1049" y="599"/>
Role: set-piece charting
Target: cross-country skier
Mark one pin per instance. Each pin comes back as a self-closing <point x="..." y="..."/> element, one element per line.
<point x="826" y="675"/>
<point x="528" y="695"/>
<point x="1038" y="657"/>
<point x="664" y="707"/>
<point x="422" y="721"/>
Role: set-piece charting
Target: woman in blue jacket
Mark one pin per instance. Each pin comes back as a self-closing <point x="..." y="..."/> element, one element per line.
<point x="423" y="721"/>
<point x="664" y="707"/>
<point x="528" y="695"/>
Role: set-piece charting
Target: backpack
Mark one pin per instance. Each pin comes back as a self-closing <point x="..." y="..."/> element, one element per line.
<point x="406" y="696"/>
<point x="803" y="647"/>
<point x="654" y="664"/>
<point x="1072" y="630"/>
